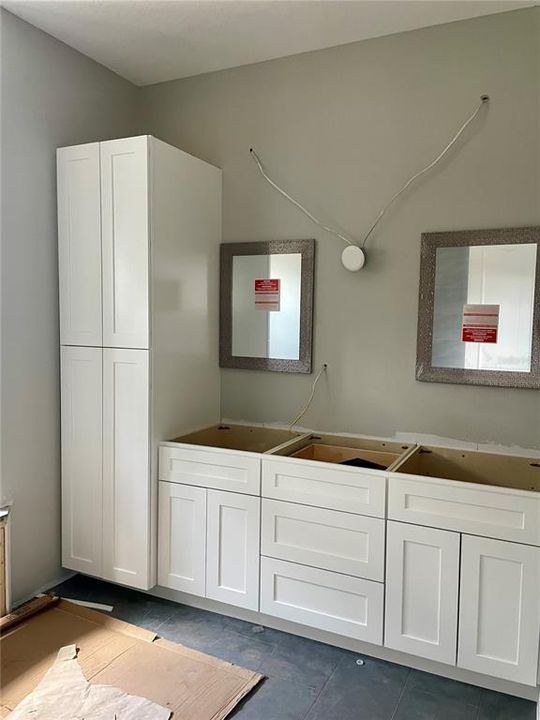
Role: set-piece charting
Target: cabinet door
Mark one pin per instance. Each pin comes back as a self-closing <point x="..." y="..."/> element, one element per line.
<point x="499" y="609"/>
<point x="422" y="576"/>
<point x="182" y="538"/>
<point x="125" y="241"/>
<point x="81" y="383"/>
<point x="232" y="549"/>
<point x="126" y="468"/>
<point x="79" y="244"/>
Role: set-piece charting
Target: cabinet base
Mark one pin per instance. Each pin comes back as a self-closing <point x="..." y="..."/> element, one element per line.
<point x="376" y="651"/>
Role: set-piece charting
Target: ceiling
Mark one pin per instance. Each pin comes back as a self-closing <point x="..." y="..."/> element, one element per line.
<point x="150" y="41"/>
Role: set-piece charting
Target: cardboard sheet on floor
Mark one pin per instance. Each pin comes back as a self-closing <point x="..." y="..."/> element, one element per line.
<point x="192" y="685"/>
<point x="64" y="694"/>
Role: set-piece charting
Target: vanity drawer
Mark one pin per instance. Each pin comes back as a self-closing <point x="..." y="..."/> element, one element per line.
<point x="327" y="539"/>
<point x="219" y="470"/>
<point x="335" y="488"/>
<point x="321" y="599"/>
<point x="468" y="508"/>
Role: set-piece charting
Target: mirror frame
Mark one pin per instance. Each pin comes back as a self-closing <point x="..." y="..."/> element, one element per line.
<point x="228" y="251"/>
<point x="425" y="372"/>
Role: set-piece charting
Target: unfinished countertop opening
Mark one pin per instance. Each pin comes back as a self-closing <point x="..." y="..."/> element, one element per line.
<point x="510" y="471"/>
<point x="246" y="438"/>
<point x="351" y="451"/>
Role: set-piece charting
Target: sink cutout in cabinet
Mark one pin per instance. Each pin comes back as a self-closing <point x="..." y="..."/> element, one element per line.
<point x="510" y="471"/>
<point x="337" y="450"/>
<point x="239" y="437"/>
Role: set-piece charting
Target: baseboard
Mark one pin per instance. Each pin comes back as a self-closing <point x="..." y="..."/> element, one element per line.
<point x="52" y="583"/>
<point x="376" y="651"/>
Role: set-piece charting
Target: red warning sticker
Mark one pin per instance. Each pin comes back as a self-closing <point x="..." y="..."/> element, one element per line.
<point x="480" y="323"/>
<point x="267" y="294"/>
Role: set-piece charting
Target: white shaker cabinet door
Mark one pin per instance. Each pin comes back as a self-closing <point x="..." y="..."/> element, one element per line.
<point x="125" y="240"/>
<point x="422" y="576"/>
<point x="182" y="538"/>
<point x="232" y="548"/>
<point x="126" y="468"/>
<point x="79" y="244"/>
<point x="499" y="609"/>
<point x="81" y="459"/>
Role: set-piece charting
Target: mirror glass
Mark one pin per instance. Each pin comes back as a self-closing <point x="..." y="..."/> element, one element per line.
<point x="267" y="305"/>
<point x="483" y="307"/>
<point x="479" y="307"/>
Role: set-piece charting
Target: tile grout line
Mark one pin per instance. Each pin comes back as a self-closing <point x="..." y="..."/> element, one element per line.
<point x="401" y="695"/>
<point x="310" y="708"/>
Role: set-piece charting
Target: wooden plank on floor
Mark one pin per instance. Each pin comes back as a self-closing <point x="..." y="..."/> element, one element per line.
<point x="25" y="611"/>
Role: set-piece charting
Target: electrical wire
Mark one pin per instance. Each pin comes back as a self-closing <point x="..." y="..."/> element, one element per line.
<point x="297" y="204"/>
<point x="483" y="100"/>
<point x="312" y="395"/>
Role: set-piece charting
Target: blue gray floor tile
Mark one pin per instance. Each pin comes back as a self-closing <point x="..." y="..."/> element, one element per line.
<point x="305" y="680"/>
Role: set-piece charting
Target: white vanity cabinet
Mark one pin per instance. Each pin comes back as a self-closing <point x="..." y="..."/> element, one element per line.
<point x="139" y="226"/>
<point x="495" y="627"/>
<point x="209" y="533"/>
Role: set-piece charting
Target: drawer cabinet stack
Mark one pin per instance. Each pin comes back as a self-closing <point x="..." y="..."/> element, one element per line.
<point x="322" y="548"/>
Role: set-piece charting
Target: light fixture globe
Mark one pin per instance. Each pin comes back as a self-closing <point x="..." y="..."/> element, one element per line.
<point x="353" y="258"/>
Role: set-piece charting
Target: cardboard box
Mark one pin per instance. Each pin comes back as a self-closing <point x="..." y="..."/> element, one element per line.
<point x="111" y="652"/>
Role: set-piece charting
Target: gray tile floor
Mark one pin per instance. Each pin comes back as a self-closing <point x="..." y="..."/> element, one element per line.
<point x="305" y="680"/>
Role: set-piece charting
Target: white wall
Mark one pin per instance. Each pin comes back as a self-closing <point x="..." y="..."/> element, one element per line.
<point x="342" y="129"/>
<point x="51" y="96"/>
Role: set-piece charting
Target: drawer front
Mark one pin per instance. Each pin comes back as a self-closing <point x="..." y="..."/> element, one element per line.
<point x="321" y="599"/>
<point x="327" y="539"/>
<point x="475" y="510"/>
<point x="206" y="468"/>
<point x="335" y="488"/>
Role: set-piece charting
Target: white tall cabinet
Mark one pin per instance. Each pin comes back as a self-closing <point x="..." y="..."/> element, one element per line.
<point x="139" y="226"/>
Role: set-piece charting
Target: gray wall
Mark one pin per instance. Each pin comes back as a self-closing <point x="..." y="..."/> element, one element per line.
<point x="342" y="129"/>
<point x="51" y="96"/>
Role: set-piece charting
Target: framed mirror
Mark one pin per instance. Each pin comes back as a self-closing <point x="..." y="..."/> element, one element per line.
<point x="479" y="308"/>
<point x="266" y="305"/>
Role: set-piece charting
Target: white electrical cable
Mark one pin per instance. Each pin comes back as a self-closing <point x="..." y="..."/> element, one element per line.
<point x="306" y="406"/>
<point x="296" y="203"/>
<point x="484" y="99"/>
